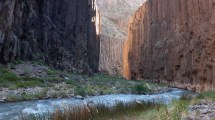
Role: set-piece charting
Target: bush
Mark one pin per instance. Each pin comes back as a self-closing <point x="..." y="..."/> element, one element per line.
<point x="71" y="82"/>
<point x="7" y="75"/>
<point x="80" y="91"/>
<point x="141" y="89"/>
<point x="208" y="94"/>
<point x="9" y="79"/>
<point x="26" y="96"/>
<point x="51" y="72"/>
<point x="13" y="98"/>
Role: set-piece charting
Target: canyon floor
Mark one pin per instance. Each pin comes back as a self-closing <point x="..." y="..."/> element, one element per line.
<point x="31" y="80"/>
<point x="24" y="81"/>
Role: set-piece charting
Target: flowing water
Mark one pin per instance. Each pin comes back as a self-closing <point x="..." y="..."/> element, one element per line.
<point x="12" y="111"/>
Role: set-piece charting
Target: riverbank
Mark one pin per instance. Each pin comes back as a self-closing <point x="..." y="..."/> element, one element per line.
<point x="42" y="109"/>
<point x="38" y="87"/>
<point x="201" y="107"/>
<point x="24" y="81"/>
<point x="177" y="104"/>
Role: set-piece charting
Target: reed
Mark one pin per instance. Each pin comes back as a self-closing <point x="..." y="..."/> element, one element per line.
<point x="94" y="112"/>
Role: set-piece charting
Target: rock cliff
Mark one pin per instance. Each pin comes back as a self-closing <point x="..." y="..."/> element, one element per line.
<point x="173" y="41"/>
<point x="115" y="17"/>
<point x="61" y="33"/>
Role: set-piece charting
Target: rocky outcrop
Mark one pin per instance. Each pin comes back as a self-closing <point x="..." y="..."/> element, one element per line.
<point x="173" y="41"/>
<point x="115" y="17"/>
<point x="61" y="33"/>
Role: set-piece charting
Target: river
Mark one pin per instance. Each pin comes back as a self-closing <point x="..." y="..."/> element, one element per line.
<point x="13" y="111"/>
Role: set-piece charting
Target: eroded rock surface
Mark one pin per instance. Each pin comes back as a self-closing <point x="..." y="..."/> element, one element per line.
<point x="205" y="110"/>
<point x="114" y="23"/>
<point x="173" y="41"/>
<point x="61" y="33"/>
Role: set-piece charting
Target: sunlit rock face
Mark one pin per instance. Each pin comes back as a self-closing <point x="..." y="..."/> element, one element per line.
<point x="173" y="41"/>
<point x="61" y="33"/>
<point x="114" y="24"/>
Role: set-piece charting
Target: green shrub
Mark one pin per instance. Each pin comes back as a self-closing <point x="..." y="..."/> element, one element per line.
<point x="208" y="94"/>
<point x="141" y="89"/>
<point x="80" y="91"/>
<point x="3" y="70"/>
<point x="51" y="72"/>
<point x="26" y="96"/>
<point x="89" y="90"/>
<point x="9" y="79"/>
<point x="71" y="82"/>
<point x="3" y="83"/>
<point x="13" y="98"/>
<point x="54" y="80"/>
<point x="58" y="94"/>
<point x="42" y="94"/>
<point x="29" y="82"/>
<point x="26" y="78"/>
<point x="8" y="75"/>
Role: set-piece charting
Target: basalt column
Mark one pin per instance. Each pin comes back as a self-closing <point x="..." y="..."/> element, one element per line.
<point x="61" y="33"/>
<point x="173" y="41"/>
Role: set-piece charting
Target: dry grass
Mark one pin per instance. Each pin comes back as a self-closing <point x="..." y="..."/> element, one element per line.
<point x="99" y="112"/>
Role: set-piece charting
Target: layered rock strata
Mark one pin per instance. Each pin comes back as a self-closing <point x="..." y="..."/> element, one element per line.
<point x="61" y="33"/>
<point x="173" y="41"/>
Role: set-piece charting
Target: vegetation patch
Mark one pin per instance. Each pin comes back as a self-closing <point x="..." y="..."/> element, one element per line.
<point x="102" y="77"/>
<point x="141" y="89"/>
<point x="30" y="75"/>
<point x="27" y="96"/>
<point x="80" y="91"/>
<point x="6" y="74"/>
<point x="51" y="72"/>
<point x="98" y="112"/>
<point x="207" y="95"/>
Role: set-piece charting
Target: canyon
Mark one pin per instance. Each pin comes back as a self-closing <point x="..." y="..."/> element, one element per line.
<point x="168" y="41"/>
<point x="107" y="59"/>
<point x="172" y="41"/>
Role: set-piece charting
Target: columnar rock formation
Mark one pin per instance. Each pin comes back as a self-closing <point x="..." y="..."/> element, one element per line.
<point x="115" y="17"/>
<point x="61" y="33"/>
<point x="173" y="41"/>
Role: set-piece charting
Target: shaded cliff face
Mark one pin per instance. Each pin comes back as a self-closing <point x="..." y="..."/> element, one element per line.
<point x="173" y="41"/>
<point x="58" y="32"/>
<point x="114" y="24"/>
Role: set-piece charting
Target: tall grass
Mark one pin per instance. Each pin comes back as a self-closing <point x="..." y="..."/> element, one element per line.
<point x="175" y="111"/>
<point x="94" y="112"/>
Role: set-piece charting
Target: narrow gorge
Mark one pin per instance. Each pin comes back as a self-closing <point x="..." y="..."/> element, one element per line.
<point x="168" y="41"/>
<point x="107" y="59"/>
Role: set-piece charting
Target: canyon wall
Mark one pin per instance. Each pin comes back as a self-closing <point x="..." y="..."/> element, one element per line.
<point x="61" y="33"/>
<point x="115" y="17"/>
<point x="173" y="41"/>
